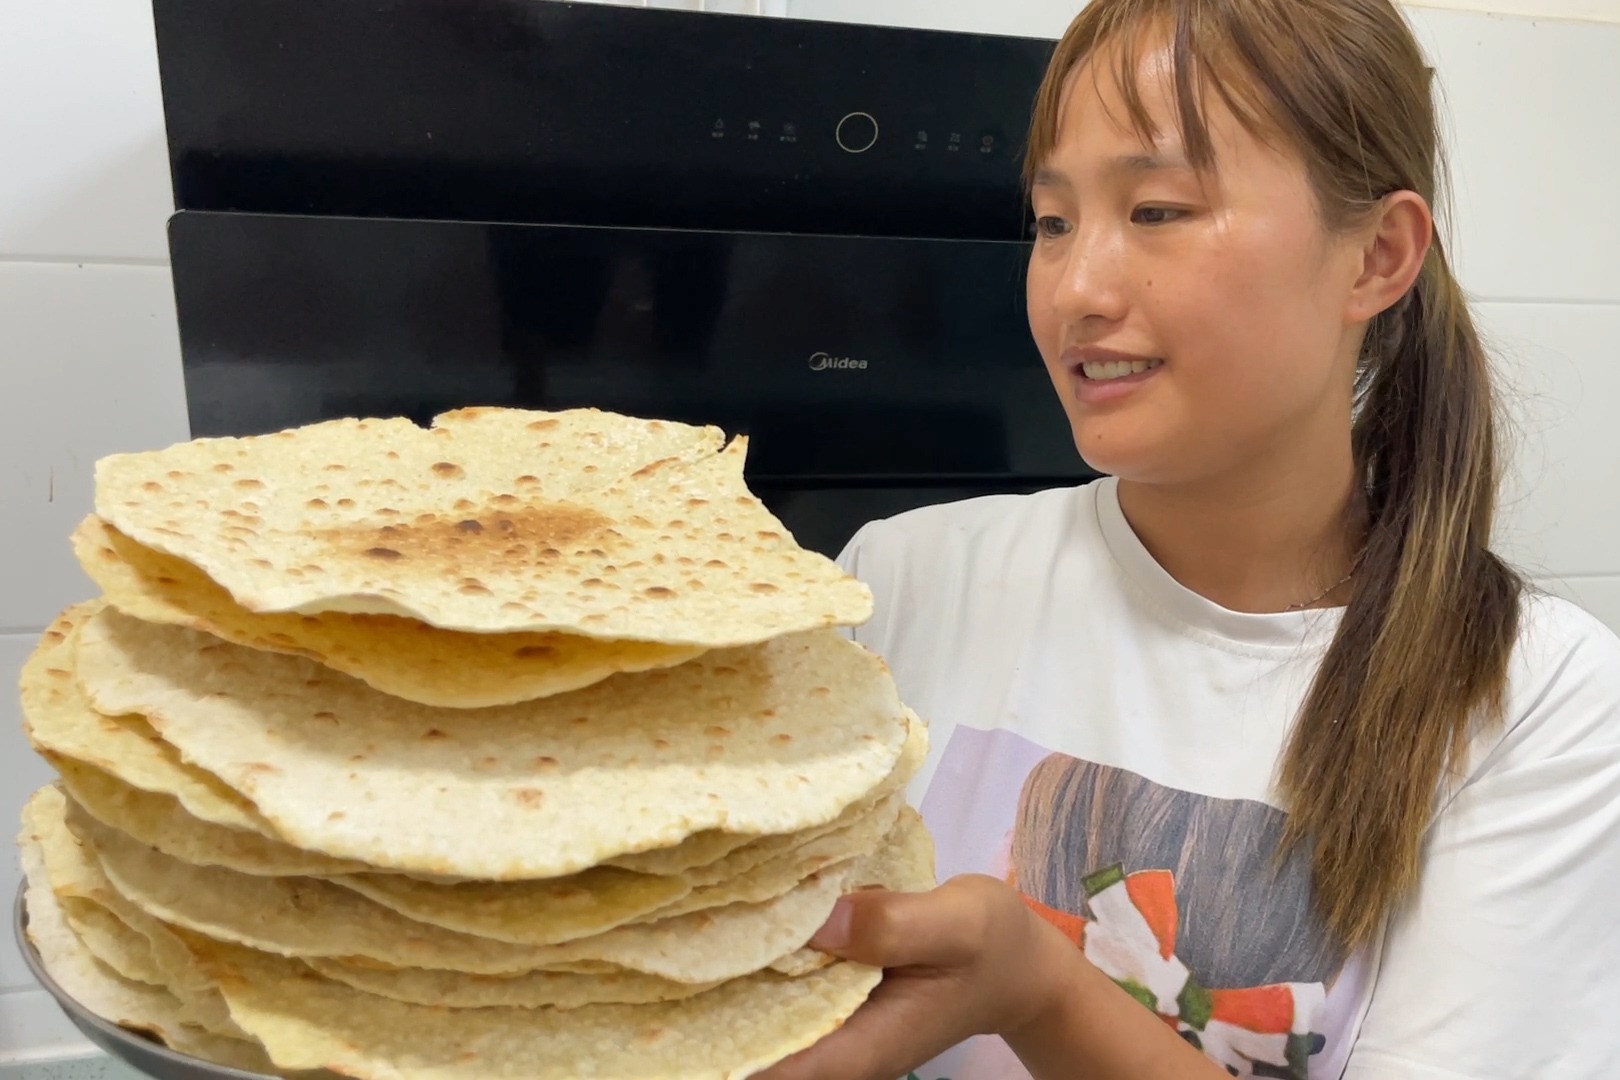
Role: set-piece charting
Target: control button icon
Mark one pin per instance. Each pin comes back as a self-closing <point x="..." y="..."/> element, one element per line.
<point x="857" y="132"/>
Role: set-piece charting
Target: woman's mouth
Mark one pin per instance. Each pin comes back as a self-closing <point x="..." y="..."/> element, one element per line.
<point x="1108" y="370"/>
<point x="1105" y="376"/>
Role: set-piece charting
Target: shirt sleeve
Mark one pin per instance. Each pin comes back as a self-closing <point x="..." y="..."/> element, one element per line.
<point x="1507" y="961"/>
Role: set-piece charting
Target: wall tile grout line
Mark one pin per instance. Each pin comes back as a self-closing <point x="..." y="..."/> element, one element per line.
<point x="82" y="260"/>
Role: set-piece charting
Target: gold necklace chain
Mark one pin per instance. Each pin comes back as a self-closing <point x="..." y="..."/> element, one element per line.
<point x="1355" y="564"/>
<point x="1324" y="594"/>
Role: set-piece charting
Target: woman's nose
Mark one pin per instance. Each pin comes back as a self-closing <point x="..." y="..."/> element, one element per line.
<point x="1091" y="283"/>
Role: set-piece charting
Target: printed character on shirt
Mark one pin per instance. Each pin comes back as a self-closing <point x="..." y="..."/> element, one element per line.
<point x="1182" y="901"/>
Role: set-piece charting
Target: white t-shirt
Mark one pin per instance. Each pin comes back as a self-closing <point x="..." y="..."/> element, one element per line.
<point x="1108" y="740"/>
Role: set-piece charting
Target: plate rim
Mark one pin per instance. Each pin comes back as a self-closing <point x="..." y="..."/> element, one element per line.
<point x="117" y="1036"/>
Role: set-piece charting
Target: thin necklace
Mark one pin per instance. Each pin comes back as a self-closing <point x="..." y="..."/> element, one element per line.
<point x="1325" y="593"/>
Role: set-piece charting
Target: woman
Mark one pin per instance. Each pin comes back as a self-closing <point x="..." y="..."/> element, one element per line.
<point x="1252" y="759"/>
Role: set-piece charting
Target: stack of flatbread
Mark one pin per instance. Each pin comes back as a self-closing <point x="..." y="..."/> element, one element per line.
<point x="525" y="746"/>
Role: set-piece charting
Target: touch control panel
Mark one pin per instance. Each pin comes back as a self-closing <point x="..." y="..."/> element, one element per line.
<point x="594" y="114"/>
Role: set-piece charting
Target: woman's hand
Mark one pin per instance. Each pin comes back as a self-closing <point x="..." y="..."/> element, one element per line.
<point x="968" y="958"/>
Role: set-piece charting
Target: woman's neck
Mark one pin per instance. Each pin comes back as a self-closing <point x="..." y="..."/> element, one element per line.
<point x="1255" y="543"/>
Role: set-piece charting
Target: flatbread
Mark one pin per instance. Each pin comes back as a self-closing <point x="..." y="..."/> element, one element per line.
<point x="493" y="521"/>
<point x="546" y="912"/>
<point x="87" y="980"/>
<point x="556" y="910"/>
<point x="60" y="722"/>
<point x="736" y="853"/>
<point x="777" y="876"/>
<point x="304" y="917"/>
<point x="134" y="945"/>
<point x="914" y="852"/>
<point x="700" y="849"/>
<point x="91" y="983"/>
<point x="231" y="1053"/>
<point x="533" y="990"/>
<point x="111" y="942"/>
<point x="802" y="962"/>
<point x="403" y="657"/>
<point x="310" y="1022"/>
<point x="161" y="822"/>
<point x="301" y="917"/>
<point x="543" y="912"/>
<point x="774" y="738"/>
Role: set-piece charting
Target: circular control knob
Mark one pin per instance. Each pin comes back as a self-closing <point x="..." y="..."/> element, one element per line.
<point x="857" y="132"/>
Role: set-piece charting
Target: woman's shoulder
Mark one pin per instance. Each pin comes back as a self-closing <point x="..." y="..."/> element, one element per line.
<point x="1563" y="682"/>
<point x="941" y="574"/>
<point x="1558" y="639"/>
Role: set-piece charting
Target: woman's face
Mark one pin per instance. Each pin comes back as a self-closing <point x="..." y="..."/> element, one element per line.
<point x="1221" y="297"/>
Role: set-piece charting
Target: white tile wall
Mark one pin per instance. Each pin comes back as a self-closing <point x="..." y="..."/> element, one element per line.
<point x="1600" y="595"/>
<point x="85" y="171"/>
<point x="89" y="356"/>
<point x="1593" y="10"/>
<point x="1560" y="369"/>
<point x="1047" y="18"/>
<point x="1534" y="155"/>
<point x="91" y="365"/>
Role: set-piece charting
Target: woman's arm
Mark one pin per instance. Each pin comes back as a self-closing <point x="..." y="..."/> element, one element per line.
<point x="970" y="958"/>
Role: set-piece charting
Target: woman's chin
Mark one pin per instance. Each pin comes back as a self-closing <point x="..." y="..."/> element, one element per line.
<point x="1126" y="458"/>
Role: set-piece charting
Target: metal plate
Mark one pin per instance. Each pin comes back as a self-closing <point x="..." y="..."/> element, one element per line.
<point x="137" y="1051"/>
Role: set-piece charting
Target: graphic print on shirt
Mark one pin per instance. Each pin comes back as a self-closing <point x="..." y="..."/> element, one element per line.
<point x="1178" y="897"/>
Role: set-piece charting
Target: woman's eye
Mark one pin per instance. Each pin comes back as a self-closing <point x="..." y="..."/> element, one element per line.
<point x="1050" y="227"/>
<point x="1154" y="215"/>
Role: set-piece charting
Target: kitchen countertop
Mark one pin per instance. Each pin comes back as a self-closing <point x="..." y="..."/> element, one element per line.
<point x="95" y="1067"/>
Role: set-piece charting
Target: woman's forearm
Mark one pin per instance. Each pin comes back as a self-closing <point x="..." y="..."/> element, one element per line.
<point x="1093" y="1029"/>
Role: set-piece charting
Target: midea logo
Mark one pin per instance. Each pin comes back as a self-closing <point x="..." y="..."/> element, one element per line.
<point x="828" y="362"/>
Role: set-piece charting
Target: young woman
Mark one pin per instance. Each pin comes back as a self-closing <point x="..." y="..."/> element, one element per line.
<point x="1251" y="760"/>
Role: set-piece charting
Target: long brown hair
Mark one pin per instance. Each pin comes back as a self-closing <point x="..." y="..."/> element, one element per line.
<point x="1421" y="654"/>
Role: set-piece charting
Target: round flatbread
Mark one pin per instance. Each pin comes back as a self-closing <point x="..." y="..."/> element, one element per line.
<point x="770" y="739"/>
<point x="305" y="917"/>
<point x="60" y="722"/>
<point x="306" y="1021"/>
<point x="531" y="990"/>
<point x="163" y="823"/>
<point x="96" y="985"/>
<point x="403" y="657"/>
<point x="492" y="521"/>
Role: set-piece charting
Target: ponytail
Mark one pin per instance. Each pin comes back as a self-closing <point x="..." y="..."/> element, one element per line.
<point x="1421" y="654"/>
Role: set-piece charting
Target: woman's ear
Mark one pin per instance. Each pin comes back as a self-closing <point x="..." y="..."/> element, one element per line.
<point x="1393" y="249"/>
